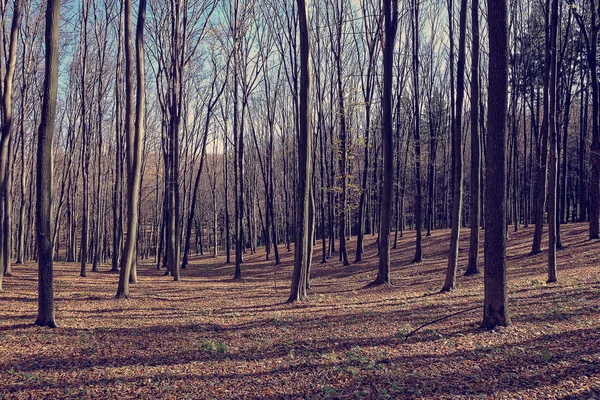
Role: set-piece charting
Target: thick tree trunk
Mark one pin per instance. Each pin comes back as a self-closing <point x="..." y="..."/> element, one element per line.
<point x="495" y="312"/>
<point x="300" y="275"/>
<point x="43" y="211"/>
<point x="135" y="138"/>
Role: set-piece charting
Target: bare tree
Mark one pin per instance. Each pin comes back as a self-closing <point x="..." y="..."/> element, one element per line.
<point x="541" y="169"/>
<point x="302" y="253"/>
<point x="44" y="170"/>
<point x="5" y="141"/>
<point x="473" y="263"/>
<point x="390" y="12"/>
<point x="553" y="162"/>
<point x="495" y="310"/>
<point x="417" y="132"/>
<point x="457" y="163"/>
<point x="135" y="137"/>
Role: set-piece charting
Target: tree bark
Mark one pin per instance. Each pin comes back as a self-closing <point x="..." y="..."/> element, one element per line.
<point x="553" y="162"/>
<point x="473" y="263"/>
<point x="43" y="211"/>
<point x="390" y="12"/>
<point x="417" y="133"/>
<point x="495" y="311"/>
<point x="302" y="249"/>
<point x="118" y="183"/>
<point x="541" y="179"/>
<point x="5" y="139"/>
<point x="457" y="163"/>
<point x="135" y="138"/>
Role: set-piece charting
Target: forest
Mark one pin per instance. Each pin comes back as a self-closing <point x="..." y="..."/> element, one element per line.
<point x="298" y="199"/>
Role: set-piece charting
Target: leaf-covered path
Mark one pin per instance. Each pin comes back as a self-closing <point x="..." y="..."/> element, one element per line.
<point x="210" y="337"/>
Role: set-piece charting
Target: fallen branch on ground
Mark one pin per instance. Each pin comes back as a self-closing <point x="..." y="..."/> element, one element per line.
<point x="440" y="319"/>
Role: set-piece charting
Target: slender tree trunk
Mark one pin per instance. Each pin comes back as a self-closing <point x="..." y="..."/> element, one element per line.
<point x="594" y="206"/>
<point x="457" y="163"/>
<point x="417" y="111"/>
<point x="7" y="222"/>
<point x="5" y="139"/>
<point x="118" y="184"/>
<point x="553" y="162"/>
<point x="473" y="263"/>
<point x="390" y="11"/>
<point x="343" y="157"/>
<point x="541" y="179"/>
<point x="582" y="143"/>
<point x="238" y="178"/>
<point x="226" y="189"/>
<point x="363" y="194"/>
<point x="85" y="151"/>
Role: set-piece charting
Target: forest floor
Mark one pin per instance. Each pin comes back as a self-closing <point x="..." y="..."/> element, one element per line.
<point x="210" y="337"/>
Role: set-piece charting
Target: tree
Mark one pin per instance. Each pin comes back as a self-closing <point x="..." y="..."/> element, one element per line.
<point x="85" y="139"/>
<point x="5" y="141"/>
<point x="473" y="263"/>
<point x="417" y="133"/>
<point x="302" y="252"/>
<point x="495" y="311"/>
<point x="553" y="162"/>
<point x="215" y="93"/>
<point x="368" y="82"/>
<point x="118" y="179"/>
<point x="135" y="137"/>
<point x="543" y="145"/>
<point x="336" y="35"/>
<point x="44" y="169"/>
<point x="457" y="163"/>
<point x="590" y="36"/>
<point x="390" y="12"/>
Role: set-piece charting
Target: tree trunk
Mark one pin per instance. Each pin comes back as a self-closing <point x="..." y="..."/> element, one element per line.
<point x="495" y="312"/>
<point x="473" y="263"/>
<point x="390" y="11"/>
<point x="135" y="135"/>
<point x="541" y="179"/>
<point x="553" y="162"/>
<point x="7" y="123"/>
<point x="118" y="184"/>
<point x="85" y="150"/>
<point x="594" y="206"/>
<point x="417" y="112"/>
<point x="43" y="211"/>
<point x="302" y="248"/>
<point x="457" y="163"/>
